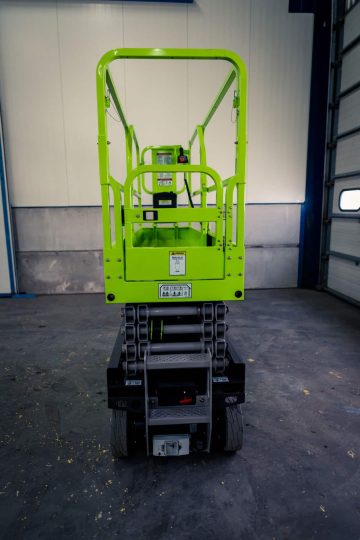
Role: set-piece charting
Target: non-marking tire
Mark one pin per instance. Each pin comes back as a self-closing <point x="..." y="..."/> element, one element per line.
<point x="118" y="433"/>
<point x="234" y="429"/>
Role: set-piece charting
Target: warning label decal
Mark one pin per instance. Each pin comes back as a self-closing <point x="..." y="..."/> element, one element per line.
<point x="177" y="263"/>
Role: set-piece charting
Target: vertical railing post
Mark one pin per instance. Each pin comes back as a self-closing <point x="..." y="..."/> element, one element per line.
<point x="203" y="179"/>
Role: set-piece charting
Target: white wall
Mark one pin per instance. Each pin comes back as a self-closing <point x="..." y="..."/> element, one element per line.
<point x="48" y="54"/>
<point x="49" y="51"/>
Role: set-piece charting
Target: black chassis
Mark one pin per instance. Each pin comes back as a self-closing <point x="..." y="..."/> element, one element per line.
<point x="131" y="397"/>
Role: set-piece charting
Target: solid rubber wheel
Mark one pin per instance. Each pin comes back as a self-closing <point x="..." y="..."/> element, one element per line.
<point x="118" y="433"/>
<point x="234" y="429"/>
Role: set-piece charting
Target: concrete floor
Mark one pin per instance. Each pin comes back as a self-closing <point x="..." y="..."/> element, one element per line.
<point x="296" y="478"/>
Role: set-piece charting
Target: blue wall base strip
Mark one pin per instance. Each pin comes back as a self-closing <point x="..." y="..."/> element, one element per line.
<point x="5" y="210"/>
<point x="18" y="295"/>
<point x="301" y="243"/>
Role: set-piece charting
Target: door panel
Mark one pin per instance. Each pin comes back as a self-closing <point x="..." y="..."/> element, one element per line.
<point x="340" y="271"/>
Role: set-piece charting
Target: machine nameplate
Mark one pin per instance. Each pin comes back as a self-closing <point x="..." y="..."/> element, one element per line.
<point x="220" y="379"/>
<point x="180" y="290"/>
<point x="133" y="382"/>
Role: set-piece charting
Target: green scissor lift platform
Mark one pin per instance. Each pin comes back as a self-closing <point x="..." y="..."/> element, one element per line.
<point x="173" y="253"/>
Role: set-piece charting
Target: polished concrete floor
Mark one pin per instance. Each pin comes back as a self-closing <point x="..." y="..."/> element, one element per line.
<point x="296" y="478"/>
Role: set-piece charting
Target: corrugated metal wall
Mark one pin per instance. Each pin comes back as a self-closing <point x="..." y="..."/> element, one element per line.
<point x="47" y="85"/>
<point x="341" y="235"/>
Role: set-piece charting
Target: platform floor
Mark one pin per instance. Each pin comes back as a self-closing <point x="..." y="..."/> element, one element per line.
<point x="297" y="477"/>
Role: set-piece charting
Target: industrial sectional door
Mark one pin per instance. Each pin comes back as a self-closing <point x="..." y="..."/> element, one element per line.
<point x="341" y="233"/>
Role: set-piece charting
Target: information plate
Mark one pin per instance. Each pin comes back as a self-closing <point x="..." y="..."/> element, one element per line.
<point x="164" y="182"/>
<point x="179" y="290"/>
<point x="133" y="382"/>
<point x="220" y="379"/>
<point x="164" y="178"/>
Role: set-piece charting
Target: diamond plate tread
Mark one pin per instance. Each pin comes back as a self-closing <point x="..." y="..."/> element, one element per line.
<point x="187" y="414"/>
<point x="178" y="361"/>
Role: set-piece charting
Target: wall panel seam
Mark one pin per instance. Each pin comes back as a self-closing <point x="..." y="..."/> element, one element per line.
<point x="62" y="102"/>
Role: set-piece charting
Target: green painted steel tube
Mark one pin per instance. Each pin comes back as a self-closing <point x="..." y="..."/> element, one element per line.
<point x="182" y="54"/>
<point x="142" y="169"/>
<point x="223" y="276"/>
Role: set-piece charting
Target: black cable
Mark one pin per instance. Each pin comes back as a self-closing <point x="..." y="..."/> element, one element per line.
<point x="188" y="192"/>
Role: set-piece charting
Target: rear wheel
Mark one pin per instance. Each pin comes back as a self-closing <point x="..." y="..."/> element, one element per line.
<point x="119" y="433"/>
<point x="234" y="429"/>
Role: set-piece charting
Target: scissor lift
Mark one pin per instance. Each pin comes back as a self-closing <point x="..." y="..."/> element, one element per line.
<point x="172" y="256"/>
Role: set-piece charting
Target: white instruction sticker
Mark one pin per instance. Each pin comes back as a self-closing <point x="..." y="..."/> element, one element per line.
<point x="177" y="263"/>
<point x="164" y="158"/>
<point x="164" y="182"/>
<point x="133" y="382"/>
<point x="220" y="379"/>
<point x="180" y="290"/>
